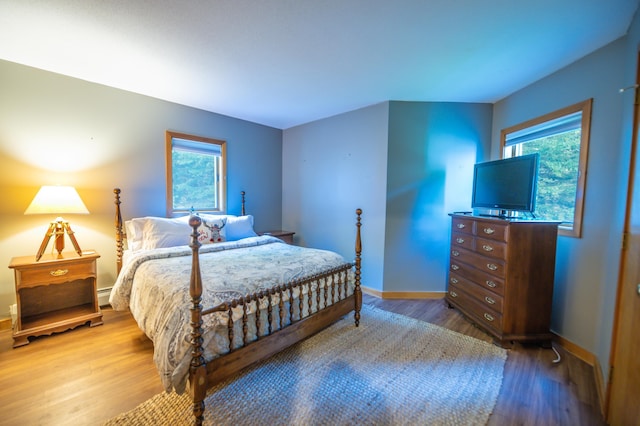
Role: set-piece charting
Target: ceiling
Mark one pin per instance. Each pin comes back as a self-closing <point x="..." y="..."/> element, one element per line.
<point x="288" y="62"/>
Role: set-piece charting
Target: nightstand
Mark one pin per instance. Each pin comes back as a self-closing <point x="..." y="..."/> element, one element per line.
<point x="54" y="294"/>
<point x="286" y="236"/>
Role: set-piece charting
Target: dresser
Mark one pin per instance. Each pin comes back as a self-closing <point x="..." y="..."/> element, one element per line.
<point x="54" y="294"/>
<point x="501" y="274"/>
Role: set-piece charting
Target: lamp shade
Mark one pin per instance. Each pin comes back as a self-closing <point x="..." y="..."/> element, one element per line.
<point x="57" y="199"/>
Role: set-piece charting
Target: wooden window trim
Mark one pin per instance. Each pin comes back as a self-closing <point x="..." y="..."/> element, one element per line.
<point x="169" y="135"/>
<point x="585" y="107"/>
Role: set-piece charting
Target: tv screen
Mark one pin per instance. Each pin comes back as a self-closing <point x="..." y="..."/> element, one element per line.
<point x="508" y="184"/>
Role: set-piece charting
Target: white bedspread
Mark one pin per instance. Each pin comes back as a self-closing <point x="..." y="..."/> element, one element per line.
<point x="154" y="286"/>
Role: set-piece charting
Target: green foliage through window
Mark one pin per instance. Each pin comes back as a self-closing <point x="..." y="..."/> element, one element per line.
<point x="195" y="174"/>
<point x="561" y="138"/>
<point x="557" y="176"/>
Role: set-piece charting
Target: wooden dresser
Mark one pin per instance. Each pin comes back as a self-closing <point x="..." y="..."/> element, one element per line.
<point x="501" y="275"/>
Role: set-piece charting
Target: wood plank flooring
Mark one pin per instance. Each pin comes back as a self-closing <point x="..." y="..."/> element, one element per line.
<point x="88" y="375"/>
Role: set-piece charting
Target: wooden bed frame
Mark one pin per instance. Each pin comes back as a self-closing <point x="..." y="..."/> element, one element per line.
<point x="202" y="374"/>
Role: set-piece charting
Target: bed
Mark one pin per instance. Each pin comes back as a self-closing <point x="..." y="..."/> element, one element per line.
<point x="215" y="297"/>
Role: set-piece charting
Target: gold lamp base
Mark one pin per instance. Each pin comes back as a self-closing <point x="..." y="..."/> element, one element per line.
<point x="58" y="228"/>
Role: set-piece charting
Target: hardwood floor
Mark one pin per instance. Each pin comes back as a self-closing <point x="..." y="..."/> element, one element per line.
<point x="88" y="375"/>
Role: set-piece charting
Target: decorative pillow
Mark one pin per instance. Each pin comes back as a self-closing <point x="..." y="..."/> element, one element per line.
<point x="161" y="232"/>
<point x="239" y="227"/>
<point x="212" y="230"/>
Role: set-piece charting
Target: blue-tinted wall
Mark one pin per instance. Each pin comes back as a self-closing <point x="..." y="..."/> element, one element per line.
<point x="587" y="267"/>
<point x="432" y="148"/>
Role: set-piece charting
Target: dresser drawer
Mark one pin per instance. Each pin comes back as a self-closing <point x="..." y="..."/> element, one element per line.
<point x="462" y="240"/>
<point x="495" y="267"/>
<point x="462" y="224"/>
<point x="491" y="248"/>
<point x="472" y="276"/>
<point x="492" y="230"/>
<point x="480" y="294"/>
<point x="484" y="315"/>
<point x="54" y="274"/>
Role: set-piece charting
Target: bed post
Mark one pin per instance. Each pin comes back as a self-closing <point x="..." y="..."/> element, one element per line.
<point x="119" y="232"/>
<point x="358" y="291"/>
<point x="197" y="369"/>
<point x="242" y="210"/>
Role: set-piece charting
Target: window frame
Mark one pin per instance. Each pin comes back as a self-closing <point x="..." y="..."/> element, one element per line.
<point x="585" y="107"/>
<point x="222" y="196"/>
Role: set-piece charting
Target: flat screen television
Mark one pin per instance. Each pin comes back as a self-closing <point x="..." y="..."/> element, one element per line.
<point x="509" y="184"/>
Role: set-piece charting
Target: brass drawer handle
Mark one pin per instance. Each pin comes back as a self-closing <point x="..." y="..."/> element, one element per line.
<point x="487" y="247"/>
<point x="460" y="225"/>
<point x="490" y="283"/>
<point x="453" y="294"/>
<point x="492" y="266"/>
<point x="453" y="280"/>
<point x="490" y="300"/>
<point x="488" y="231"/>
<point x="456" y="253"/>
<point x="460" y="240"/>
<point x="455" y="267"/>
<point x="488" y="317"/>
<point x="59" y="272"/>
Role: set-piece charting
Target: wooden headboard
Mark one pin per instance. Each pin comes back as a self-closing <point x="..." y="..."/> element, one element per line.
<point x="121" y="235"/>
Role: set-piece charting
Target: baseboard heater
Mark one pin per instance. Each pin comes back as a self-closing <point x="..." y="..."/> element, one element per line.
<point x="103" y="296"/>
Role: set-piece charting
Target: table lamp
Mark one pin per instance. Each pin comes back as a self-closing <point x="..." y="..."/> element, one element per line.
<point x="57" y="200"/>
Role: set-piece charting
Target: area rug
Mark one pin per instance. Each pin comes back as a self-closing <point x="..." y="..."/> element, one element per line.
<point x="392" y="370"/>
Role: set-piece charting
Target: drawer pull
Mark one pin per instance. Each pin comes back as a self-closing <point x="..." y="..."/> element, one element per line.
<point x="460" y="240"/>
<point x="488" y="317"/>
<point x="487" y="247"/>
<point x="59" y="272"/>
<point x="460" y="226"/>
<point x="490" y="283"/>
<point x="453" y="281"/>
<point x="456" y="253"/>
<point x="455" y="267"/>
<point x="490" y="300"/>
<point x="488" y="231"/>
<point x="453" y="294"/>
<point x="492" y="266"/>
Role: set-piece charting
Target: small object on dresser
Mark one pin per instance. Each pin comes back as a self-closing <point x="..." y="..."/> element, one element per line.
<point x="54" y="294"/>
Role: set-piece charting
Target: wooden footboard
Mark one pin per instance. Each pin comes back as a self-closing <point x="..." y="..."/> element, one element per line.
<point x="331" y="303"/>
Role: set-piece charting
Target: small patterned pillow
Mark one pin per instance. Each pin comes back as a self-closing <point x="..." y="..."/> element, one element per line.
<point x="212" y="230"/>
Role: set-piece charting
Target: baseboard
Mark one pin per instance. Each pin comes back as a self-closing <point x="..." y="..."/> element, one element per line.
<point x="5" y="324"/>
<point x="592" y="360"/>
<point x="601" y="388"/>
<point x="404" y="294"/>
<point x="103" y="296"/>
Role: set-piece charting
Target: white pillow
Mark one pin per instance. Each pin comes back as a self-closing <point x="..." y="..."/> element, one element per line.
<point x="160" y="232"/>
<point x="239" y="227"/>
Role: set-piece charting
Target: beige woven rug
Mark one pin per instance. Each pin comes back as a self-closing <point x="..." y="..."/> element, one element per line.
<point x="392" y="370"/>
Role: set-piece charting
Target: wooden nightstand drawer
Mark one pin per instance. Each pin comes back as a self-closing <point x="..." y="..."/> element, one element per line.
<point x="54" y="273"/>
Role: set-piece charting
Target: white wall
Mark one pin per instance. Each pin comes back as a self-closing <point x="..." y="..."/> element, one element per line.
<point x="330" y="168"/>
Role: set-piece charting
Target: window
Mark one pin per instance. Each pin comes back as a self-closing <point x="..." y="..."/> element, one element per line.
<point x="196" y="173"/>
<point x="562" y="140"/>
